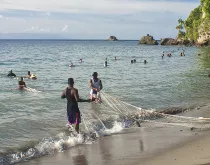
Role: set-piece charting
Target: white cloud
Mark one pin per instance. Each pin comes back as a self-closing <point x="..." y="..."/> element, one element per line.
<point x="98" y="6"/>
<point x="95" y="19"/>
<point x="37" y="29"/>
<point x="65" y="28"/>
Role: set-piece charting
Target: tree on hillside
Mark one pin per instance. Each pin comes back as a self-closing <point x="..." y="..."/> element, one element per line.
<point x="180" y="27"/>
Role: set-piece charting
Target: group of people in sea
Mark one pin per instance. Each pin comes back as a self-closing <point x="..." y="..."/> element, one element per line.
<point x="170" y="55"/>
<point x="21" y="83"/>
<point x="72" y="96"/>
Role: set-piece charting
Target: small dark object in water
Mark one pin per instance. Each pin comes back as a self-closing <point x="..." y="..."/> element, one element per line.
<point x="145" y="61"/>
<point x="131" y="61"/>
<point x="134" y="60"/>
<point x="181" y="130"/>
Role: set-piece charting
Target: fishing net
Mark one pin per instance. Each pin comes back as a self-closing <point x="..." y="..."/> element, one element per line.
<point x="113" y="109"/>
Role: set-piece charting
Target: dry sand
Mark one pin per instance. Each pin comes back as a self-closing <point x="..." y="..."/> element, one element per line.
<point x="196" y="152"/>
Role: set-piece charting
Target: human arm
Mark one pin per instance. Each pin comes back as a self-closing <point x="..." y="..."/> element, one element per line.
<point x="101" y="86"/>
<point x="63" y="94"/>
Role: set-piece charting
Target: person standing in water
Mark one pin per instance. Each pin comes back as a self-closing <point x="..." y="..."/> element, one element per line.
<point x="21" y="84"/>
<point x="96" y="86"/>
<point x="73" y="112"/>
<point x="29" y="75"/>
<point x="105" y="64"/>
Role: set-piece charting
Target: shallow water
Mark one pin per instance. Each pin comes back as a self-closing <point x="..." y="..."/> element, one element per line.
<point x="27" y="117"/>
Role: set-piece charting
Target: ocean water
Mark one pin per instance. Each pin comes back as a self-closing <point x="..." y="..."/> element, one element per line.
<point x="32" y="123"/>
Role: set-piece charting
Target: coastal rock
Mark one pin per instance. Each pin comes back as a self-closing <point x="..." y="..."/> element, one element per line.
<point x="148" y="40"/>
<point x="168" y="41"/>
<point x="112" y="38"/>
<point x="184" y="42"/>
<point x="204" y="34"/>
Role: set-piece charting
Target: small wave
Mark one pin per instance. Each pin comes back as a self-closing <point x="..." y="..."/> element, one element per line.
<point x="59" y="143"/>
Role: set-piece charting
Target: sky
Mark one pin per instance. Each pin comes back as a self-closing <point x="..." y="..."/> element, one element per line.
<point x="92" y="19"/>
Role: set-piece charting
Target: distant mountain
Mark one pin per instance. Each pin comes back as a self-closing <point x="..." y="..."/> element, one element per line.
<point x="32" y="36"/>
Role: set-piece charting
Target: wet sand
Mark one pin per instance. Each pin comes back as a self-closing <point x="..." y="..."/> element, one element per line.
<point x="150" y="144"/>
<point x="130" y="147"/>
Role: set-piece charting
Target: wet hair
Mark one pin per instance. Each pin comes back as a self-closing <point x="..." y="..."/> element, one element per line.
<point x="71" y="81"/>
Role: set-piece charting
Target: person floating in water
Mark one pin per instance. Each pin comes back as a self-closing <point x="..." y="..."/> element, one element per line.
<point x="29" y="75"/>
<point x="73" y="112"/>
<point x="131" y="61"/>
<point x="71" y="64"/>
<point x="145" y="61"/>
<point x="134" y="60"/>
<point x="21" y="84"/>
<point x="115" y="58"/>
<point x="11" y="74"/>
<point x="80" y="60"/>
<point x="96" y="86"/>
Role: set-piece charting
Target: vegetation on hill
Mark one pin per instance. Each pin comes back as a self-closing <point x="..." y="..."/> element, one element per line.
<point x="198" y="21"/>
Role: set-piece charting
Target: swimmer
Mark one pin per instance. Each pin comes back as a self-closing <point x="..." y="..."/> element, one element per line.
<point x="29" y="75"/>
<point x="80" y="60"/>
<point x="115" y="58"/>
<point x="134" y="60"/>
<point x="11" y="74"/>
<point x="209" y="75"/>
<point x="105" y="64"/>
<point x="71" y="64"/>
<point x="145" y="61"/>
<point x="21" y="84"/>
<point x="131" y="61"/>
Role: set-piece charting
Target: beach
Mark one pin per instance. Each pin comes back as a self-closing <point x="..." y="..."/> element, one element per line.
<point x="147" y="145"/>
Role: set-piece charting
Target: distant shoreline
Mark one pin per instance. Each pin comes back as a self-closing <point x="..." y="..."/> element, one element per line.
<point x="70" y="40"/>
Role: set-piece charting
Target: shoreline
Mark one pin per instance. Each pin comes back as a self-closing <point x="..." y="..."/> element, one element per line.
<point x="150" y="144"/>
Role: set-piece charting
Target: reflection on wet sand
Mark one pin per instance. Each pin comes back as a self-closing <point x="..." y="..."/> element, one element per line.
<point x="80" y="160"/>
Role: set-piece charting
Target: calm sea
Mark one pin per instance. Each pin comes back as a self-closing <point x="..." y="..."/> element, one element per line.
<point x="31" y="118"/>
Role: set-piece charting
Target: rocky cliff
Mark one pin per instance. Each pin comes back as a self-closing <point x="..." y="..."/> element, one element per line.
<point x="197" y="25"/>
<point x="148" y="40"/>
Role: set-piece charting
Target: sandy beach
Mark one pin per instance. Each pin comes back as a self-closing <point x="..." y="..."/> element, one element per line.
<point x="147" y="145"/>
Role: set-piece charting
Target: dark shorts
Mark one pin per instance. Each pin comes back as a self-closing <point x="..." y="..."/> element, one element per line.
<point x="73" y="114"/>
